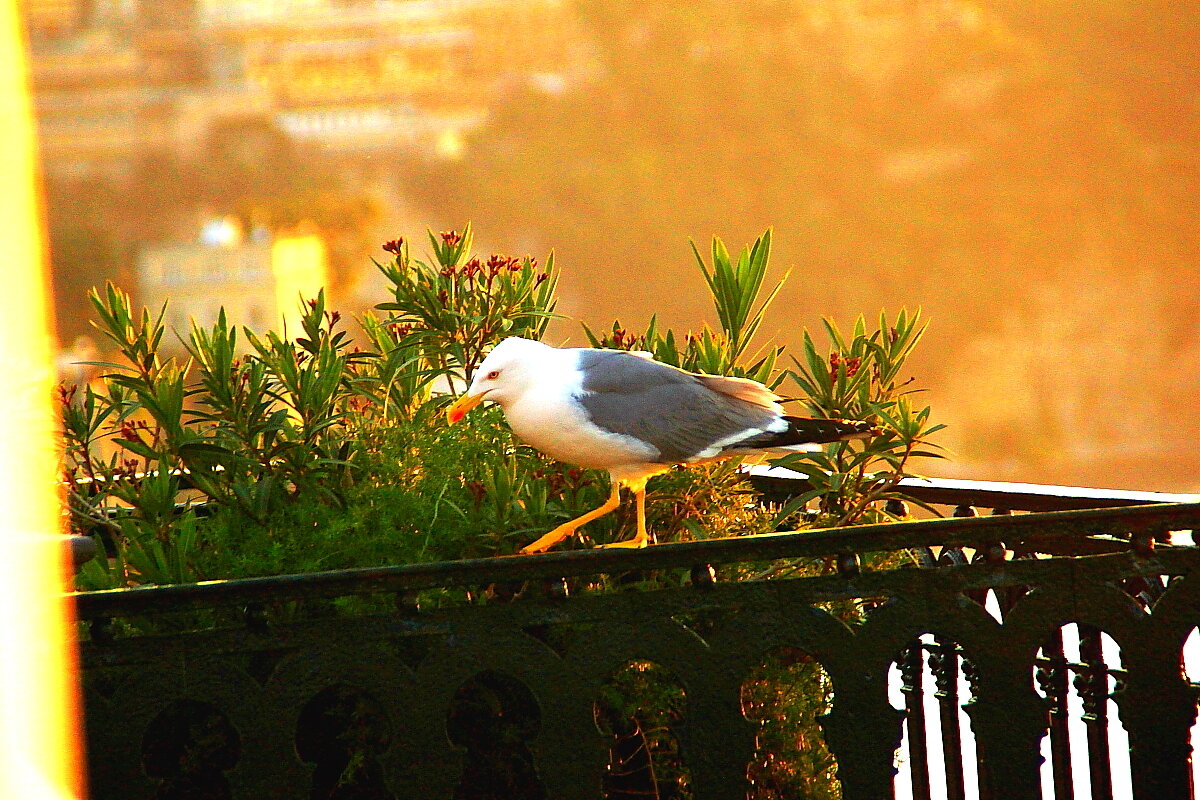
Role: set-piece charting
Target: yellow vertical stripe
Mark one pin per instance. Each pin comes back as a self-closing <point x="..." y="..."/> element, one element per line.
<point x="39" y="744"/>
<point x="299" y="264"/>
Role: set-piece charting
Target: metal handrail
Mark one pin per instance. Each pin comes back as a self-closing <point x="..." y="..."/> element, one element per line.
<point x="1132" y="527"/>
<point x="984" y="494"/>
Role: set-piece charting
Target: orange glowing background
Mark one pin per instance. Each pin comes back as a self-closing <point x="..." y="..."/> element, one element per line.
<point x="39" y="746"/>
<point x="1026" y="172"/>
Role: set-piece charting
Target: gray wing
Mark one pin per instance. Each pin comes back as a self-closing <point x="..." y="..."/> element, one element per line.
<point x="670" y="409"/>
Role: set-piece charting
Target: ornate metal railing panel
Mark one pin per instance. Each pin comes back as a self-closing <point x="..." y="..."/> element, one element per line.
<point x="286" y="695"/>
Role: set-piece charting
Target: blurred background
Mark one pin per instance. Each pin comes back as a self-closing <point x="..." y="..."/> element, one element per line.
<point x="1025" y="172"/>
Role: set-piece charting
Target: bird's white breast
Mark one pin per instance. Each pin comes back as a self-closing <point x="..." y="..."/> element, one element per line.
<point x="547" y="416"/>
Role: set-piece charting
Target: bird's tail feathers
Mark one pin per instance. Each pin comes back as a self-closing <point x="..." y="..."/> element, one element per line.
<point x="806" y="435"/>
<point x="823" y="431"/>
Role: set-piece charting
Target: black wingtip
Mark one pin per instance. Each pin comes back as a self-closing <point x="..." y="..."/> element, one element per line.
<point x="823" y="431"/>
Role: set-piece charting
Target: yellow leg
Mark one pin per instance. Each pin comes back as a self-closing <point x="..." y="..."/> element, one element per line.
<point x="642" y="538"/>
<point x="568" y="528"/>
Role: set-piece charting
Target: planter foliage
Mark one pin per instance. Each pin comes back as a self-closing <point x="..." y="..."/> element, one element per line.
<point x="242" y="453"/>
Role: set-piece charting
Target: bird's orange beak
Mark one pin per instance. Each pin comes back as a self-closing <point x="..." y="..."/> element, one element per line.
<point x="459" y="408"/>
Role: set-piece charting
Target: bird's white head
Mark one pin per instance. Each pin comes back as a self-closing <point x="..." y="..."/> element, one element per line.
<point x="503" y="376"/>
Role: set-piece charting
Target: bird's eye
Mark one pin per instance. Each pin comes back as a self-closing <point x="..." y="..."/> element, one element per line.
<point x="491" y="376"/>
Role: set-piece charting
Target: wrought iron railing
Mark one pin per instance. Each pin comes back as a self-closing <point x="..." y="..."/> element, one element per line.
<point x="306" y="686"/>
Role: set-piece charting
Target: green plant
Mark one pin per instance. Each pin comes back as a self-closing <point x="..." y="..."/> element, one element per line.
<point x="640" y="709"/>
<point x="398" y="380"/>
<point x="861" y="377"/>
<point x="310" y="453"/>
<point x="145" y="556"/>
<point x="460" y="306"/>
<point x="122" y="451"/>
<point x="272" y="422"/>
<point x="785" y="696"/>
<point x="735" y="288"/>
<point x="314" y="454"/>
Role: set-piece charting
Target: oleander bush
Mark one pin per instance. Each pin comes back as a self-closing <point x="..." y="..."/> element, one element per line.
<point x="248" y="453"/>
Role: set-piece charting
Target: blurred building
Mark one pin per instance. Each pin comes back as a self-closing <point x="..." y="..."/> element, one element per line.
<point x="196" y="280"/>
<point x="118" y="80"/>
<point x="259" y="282"/>
<point x="390" y="75"/>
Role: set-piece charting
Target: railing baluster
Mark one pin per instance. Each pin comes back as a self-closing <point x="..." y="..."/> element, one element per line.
<point x="1157" y="706"/>
<point x="912" y="676"/>
<point x="1092" y="684"/>
<point x="944" y="661"/>
<point x="984" y="778"/>
<point x="1054" y="680"/>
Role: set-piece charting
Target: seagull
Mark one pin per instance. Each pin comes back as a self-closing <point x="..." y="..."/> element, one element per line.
<point x="635" y="417"/>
